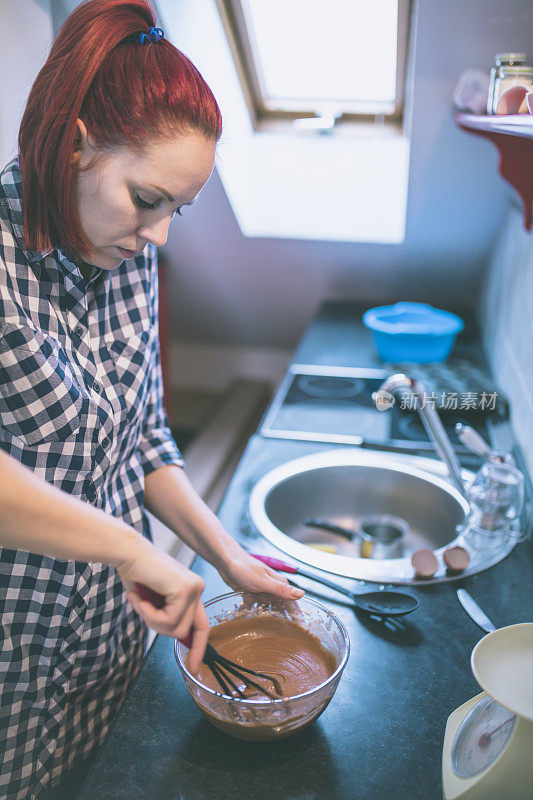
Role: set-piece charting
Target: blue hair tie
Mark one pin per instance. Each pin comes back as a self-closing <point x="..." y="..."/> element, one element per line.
<point x="154" y="36"/>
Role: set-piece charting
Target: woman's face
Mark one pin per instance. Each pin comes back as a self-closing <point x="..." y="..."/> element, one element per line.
<point x="127" y="201"/>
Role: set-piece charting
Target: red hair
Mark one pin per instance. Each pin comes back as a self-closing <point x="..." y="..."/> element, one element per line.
<point x="124" y="91"/>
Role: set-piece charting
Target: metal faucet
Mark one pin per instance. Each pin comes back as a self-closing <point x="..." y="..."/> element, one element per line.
<point x="430" y="419"/>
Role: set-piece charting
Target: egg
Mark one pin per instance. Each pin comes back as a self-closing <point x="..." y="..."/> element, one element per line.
<point x="510" y="101"/>
<point x="456" y="559"/>
<point x="424" y="563"/>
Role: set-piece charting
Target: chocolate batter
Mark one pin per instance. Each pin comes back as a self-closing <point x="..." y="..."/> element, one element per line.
<point x="274" y="645"/>
<point x="281" y="648"/>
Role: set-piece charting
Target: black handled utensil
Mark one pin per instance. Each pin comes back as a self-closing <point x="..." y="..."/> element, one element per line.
<point x="386" y="603"/>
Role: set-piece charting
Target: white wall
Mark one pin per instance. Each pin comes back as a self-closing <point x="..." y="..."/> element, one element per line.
<point x="25" y="40"/>
<point x="506" y="315"/>
<point x="226" y="288"/>
<point x="60" y="10"/>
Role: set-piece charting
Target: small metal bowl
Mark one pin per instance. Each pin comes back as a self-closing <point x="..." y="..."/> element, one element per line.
<point x="382" y="536"/>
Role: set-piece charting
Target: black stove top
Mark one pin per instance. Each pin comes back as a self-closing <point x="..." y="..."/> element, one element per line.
<point x="332" y="389"/>
<point x="338" y="406"/>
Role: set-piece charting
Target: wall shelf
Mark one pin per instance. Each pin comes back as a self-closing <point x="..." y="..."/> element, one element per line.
<point x="513" y="136"/>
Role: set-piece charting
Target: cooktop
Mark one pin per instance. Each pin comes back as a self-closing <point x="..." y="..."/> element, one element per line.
<point x="335" y="404"/>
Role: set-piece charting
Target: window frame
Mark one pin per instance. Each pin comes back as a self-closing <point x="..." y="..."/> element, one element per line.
<point x="262" y="117"/>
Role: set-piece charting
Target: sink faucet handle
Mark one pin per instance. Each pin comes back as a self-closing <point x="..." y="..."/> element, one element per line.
<point x="477" y="444"/>
<point x="472" y="440"/>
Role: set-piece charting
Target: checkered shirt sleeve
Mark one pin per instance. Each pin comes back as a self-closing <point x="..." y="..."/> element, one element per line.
<point x="157" y="446"/>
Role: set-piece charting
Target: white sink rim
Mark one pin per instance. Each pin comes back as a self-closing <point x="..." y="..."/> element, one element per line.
<point x="385" y="571"/>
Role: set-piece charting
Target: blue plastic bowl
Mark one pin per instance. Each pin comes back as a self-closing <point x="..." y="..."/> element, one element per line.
<point x="413" y="332"/>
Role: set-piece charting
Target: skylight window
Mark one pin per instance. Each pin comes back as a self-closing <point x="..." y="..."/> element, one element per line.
<point x="344" y="58"/>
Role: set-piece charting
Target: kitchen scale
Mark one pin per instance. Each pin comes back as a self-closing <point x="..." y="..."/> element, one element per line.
<point x="488" y="743"/>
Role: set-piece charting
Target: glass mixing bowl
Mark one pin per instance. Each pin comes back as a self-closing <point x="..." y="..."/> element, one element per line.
<point x="269" y="719"/>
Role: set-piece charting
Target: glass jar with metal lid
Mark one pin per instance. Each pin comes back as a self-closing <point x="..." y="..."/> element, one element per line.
<point x="510" y="70"/>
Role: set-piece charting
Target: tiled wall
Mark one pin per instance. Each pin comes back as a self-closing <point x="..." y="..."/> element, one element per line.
<point x="506" y="316"/>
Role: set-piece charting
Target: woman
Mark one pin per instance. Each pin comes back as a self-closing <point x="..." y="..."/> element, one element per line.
<point x="119" y="133"/>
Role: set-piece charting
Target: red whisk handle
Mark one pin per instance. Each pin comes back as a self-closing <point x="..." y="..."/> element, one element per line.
<point x="158" y="601"/>
<point x="275" y="563"/>
<point x="152" y="596"/>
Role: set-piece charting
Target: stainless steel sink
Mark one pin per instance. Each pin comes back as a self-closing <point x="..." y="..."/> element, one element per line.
<point x="350" y="485"/>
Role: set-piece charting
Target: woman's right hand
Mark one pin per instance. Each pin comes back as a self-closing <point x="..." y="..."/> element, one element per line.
<point x="183" y="612"/>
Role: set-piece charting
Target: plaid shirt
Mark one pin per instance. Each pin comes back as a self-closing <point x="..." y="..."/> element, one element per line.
<point x="80" y="405"/>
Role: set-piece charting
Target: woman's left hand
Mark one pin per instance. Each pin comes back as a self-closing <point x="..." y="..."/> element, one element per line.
<point x="243" y="572"/>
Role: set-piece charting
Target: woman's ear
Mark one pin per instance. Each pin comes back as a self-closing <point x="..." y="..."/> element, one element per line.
<point x="81" y="141"/>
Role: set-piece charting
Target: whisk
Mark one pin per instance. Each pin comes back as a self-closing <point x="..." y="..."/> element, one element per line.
<point x="217" y="662"/>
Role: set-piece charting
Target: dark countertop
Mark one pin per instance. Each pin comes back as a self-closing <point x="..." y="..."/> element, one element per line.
<point x="380" y="737"/>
